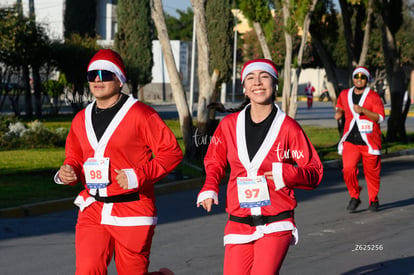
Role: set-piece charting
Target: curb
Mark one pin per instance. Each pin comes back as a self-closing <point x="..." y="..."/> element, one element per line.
<point x="41" y="208"/>
<point x="36" y="209"/>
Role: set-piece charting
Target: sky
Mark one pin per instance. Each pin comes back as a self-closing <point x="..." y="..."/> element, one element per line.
<point x="170" y="6"/>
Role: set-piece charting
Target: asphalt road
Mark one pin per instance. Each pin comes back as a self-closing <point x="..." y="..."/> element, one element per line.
<point x="321" y="114"/>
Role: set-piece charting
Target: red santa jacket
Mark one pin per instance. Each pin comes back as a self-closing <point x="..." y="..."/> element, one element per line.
<point x="137" y="141"/>
<point x="309" y="90"/>
<point x="371" y="101"/>
<point x="286" y="151"/>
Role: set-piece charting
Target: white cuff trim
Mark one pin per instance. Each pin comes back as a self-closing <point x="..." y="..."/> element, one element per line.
<point x="57" y="179"/>
<point x="278" y="175"/>
<point x="132" y="178"/>
<point x="207" y="195"/>
<point x="380" y="119"/>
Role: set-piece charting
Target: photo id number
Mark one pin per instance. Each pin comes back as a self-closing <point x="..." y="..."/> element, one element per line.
<point x="368" y="247"/>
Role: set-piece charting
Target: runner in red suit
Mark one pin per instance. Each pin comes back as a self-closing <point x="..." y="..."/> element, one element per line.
<point x="309" y="90"/>
<point x="269" y="156"/>
<point x="364" y="111"/>
<point x="118" y="148"/>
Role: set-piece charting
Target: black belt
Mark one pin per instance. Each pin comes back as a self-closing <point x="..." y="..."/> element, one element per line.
<point x="257" y="220"/>
<point x="118" y="198"/>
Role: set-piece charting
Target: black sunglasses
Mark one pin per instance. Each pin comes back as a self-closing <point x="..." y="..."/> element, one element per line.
<point x="360" y="76"/>
<point x="103" y="75"/>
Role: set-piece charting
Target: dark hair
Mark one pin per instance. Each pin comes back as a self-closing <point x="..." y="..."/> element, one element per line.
<point x="219" y="107"/>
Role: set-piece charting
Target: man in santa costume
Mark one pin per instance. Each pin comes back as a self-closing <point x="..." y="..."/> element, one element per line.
<point x="364" y="111"/>
<point x="309" y="90"/>
<point x="118" y="148"/>
<point x="269" y="156"/>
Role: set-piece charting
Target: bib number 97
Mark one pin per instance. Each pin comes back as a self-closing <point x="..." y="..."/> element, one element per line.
<point x="252" y="193"/>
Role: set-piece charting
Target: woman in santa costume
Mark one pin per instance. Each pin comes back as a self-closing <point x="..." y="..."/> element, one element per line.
<point x="364" y="111"/>
<point x="269" y="155"/>
<point x="118" y="148"/>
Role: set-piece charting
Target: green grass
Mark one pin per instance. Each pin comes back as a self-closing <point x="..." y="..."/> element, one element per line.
<point x="20" y="161"/>
<point x="26" y="176"/>
<point x="324" y="140"/>
<point x="31" y="187"/>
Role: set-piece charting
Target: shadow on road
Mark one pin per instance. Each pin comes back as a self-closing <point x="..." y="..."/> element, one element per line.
<point x="402" y="266"/>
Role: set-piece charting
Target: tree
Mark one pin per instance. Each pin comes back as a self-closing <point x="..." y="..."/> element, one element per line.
<point x="357" y="52"/>
<point x="307" y="8"/>
<point x="72" y="58"/>
<point x="134" y="41"/>
<point x="324" y="32"/>
<point x="39" y="56"/>
<point x="80" y="17"/>
<point x="22" y="45"/>
<point x="258" y="12"/>
<point x="274" y="31"/>
<point x="288" y="57"/>
<point x="206" y="82"/>
<point x="220" y="39"/>
<point x="180" y="28"/>
<point x="79" y="46"/>
<point x="392" y="20"/>
<point x="184" y="115"/>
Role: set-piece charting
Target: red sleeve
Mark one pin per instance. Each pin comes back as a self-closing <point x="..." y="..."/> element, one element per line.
<point x="339" y="103"/>
<point x="166" y="152"/>
<point x="73" y="149"/>
<point x="307" y="171"/>
<point x="215" y="161"/>
<point x="377" y="104"/>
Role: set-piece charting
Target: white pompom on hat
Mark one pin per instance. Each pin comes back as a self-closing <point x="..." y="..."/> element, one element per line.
<point x="259" y="64"/>
<point x="107" y="59"/>
<point x="363" y="70"/>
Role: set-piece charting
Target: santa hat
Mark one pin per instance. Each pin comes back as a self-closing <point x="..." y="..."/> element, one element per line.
<point x="107" y="59"/>
<point x="259" y="64"/>
<point x="363" y="70"/>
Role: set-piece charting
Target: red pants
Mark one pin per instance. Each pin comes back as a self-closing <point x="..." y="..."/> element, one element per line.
<point x="371" y="164"/>
<point x="261" y="257"/>
<point x="310" y="101"/>
<point x="96" y="243"/>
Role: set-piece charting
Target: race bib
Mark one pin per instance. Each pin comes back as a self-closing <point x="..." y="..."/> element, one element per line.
<point x="96" y="172"/>
<point x="253" y="192"/>
<point x="365" y="126"/>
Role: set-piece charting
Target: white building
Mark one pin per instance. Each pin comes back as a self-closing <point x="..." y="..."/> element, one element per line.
<point x="158" y="90"/>
<point x="50" y="13"/>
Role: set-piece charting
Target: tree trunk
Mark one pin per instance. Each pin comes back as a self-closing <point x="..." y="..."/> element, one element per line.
<point x="262" y="40"/>
<point x="331" y="83"/>
<point x="214" y="78"/>
<point x="288" y="60"/>
<point x="186" y="123"/>
<point x="204" y="78"/>
<point x="396" y="79"/>
<point x="306" y="24"/>
<point x="367" y="34"/>
<point x="37" y="91"/>
<point x="346" y="18"/>
<point x="27" y="91"/>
